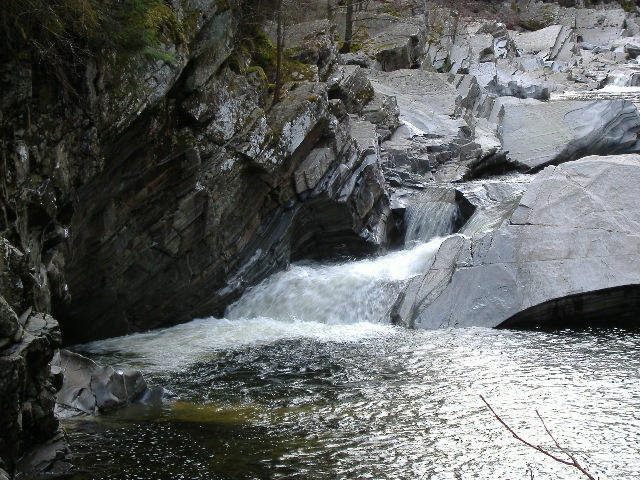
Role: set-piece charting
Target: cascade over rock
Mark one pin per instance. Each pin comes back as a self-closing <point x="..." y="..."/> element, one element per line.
<point x="166" y="204"/>
<point x="576" y="230"/>
<point x="217" y="217"/>
<point x="142" y="193"/>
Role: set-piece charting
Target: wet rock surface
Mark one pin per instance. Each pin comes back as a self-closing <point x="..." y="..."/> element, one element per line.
<point x="163" y="199"/>
<point x="574" y="231"/>
<point x="27" y="343"/>
<point x="90" y="388"/>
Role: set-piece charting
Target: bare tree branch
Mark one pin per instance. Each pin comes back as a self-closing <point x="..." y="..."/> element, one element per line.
<point x="573" y="463"/>
<point x="564" y="450"/>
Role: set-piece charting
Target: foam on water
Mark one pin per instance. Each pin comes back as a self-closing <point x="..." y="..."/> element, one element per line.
<point x="608" y="92"/>
<point x="347" y="293"/>
<point x="338" y="303"/>
<point x="175" y="348"/>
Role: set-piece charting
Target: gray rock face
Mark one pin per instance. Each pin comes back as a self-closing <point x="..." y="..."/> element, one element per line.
<point x="350" y="84"/>
<point x="234" y="214"/>
<point x="26" y="388"/>
<point x="575" y="231"/>
<point x="89" y="388"/>
<point x="439" y="139"/>
<point x="549" y="43"/>
<point x="167" y="204"/>
<point x="392" y="42"/>
<point x="539" y="134"/>
<point x="312" y="43"/>
<point x="598" y="26"/>
<point x="532" y="64"/>
<point x="50" y="459"/>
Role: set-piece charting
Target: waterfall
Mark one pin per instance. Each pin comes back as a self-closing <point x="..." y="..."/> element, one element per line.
<point x="427" y="220"/>
<point x="361" y="291"/>
<point x="329" y="302"/>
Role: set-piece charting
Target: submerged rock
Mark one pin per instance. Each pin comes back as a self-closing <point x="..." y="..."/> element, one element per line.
<point x="575" y="231"/>
<point x="90" y="388"/>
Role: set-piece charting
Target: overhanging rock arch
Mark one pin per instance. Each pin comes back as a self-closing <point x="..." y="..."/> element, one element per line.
<point x="609" y="307"/>
<point x="572" y="246"/>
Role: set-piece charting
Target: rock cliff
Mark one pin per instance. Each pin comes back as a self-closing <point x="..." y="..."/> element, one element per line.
<point x="143" y="188"/>
<point x="27" y="341"/>
<point x="141" y="192"/>
<point x="158" y="202"/>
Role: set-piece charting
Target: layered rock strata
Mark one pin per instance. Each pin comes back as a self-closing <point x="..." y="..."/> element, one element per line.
<point x="27" y="342"/>
<point x="176" y="184"/>
<point x="164" y="204"/>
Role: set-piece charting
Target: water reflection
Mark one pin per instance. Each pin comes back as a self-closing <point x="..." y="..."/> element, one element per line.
<point x="390" y="404"/>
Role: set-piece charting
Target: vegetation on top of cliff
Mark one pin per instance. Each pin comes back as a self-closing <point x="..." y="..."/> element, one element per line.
<point x="63" y="34"/>
<point x="255" y="52"/>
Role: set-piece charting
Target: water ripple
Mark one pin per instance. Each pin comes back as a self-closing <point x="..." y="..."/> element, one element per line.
<point x="395" y="405"/>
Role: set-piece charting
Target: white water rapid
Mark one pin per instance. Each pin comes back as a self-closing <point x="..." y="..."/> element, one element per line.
<point x="614" y="91"/>
<point x="337" y="302"/>
<point x="427" y="220"/>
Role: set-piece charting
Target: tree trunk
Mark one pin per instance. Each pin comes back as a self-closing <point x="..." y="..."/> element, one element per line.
<point x="279" y="48"/>
<point x="348" y="28"/>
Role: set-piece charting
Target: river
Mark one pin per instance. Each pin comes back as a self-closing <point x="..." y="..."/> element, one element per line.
<point x="306" y="379"/>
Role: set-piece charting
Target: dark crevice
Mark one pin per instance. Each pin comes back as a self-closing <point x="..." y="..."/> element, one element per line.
<point x="616" y="307"/>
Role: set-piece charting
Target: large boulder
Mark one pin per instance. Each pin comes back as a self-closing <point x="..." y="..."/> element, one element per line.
<point x="536" y="134"/>
<point x="598" y="26"/>
<point x="571" y="246"/>
<point x="311" y="43"/>
<point x="350" y="84"/>
<point x="393" y="42"/>
<point x="550" y="43"/>
<point x="90" y="388"/>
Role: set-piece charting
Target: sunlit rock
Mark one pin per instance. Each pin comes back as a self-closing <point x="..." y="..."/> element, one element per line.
<point x="536" y="134"/>
<point x="576" y="230"/>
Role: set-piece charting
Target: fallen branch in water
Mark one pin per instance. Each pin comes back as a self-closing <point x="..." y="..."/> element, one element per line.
<point x="572" y="462"/>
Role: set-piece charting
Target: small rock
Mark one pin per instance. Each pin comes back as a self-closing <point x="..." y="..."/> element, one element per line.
<point x="90" y="388"/>
<point x="632" y="50"/>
